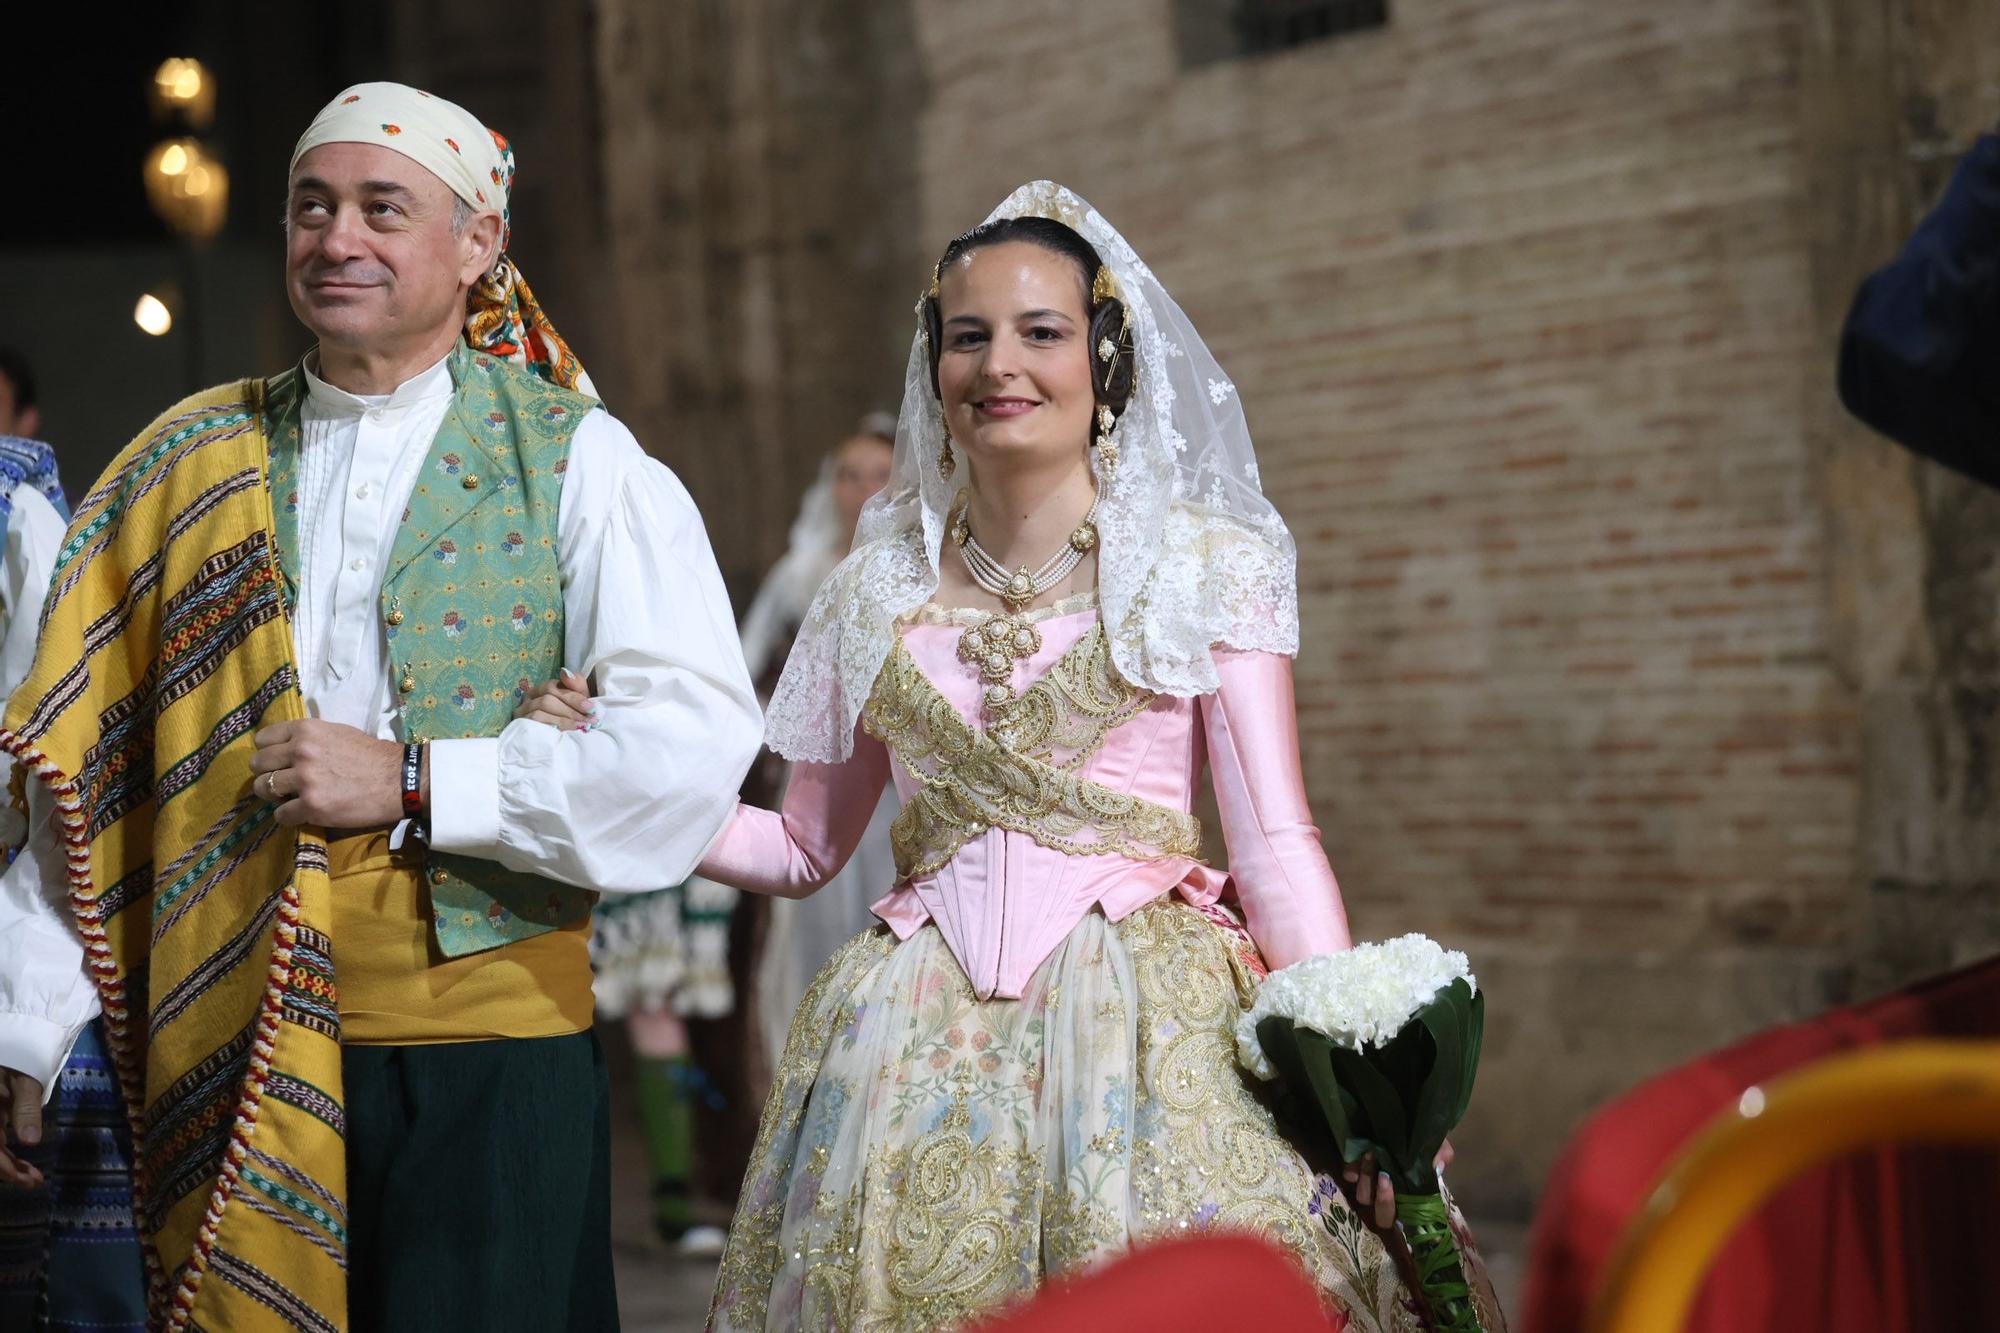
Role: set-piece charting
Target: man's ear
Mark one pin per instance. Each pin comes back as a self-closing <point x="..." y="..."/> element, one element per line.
<point x="28" y="423"/>
<point x="479" y="248"/>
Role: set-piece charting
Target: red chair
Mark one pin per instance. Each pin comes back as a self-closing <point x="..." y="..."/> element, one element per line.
<point x="1208" y="1284"/>
<point x="1939" y="1092"/>
<point x="1862" y="1243"/>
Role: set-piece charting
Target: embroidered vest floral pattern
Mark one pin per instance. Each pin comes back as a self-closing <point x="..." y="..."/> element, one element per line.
<point x="472" y="606"/>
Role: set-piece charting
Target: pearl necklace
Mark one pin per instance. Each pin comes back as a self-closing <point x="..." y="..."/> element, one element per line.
<point x="995" y="644"/>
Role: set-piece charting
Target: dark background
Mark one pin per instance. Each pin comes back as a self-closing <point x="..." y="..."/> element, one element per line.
<point x="79" y="245"/>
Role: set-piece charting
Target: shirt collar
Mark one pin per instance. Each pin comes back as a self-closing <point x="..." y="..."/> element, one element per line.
<point x="327" y="400"/>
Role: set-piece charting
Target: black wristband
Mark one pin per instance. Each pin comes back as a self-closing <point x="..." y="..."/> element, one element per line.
<point x="413" y="780"/>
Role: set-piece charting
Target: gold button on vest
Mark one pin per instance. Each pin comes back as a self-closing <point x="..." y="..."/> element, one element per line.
<point x="471" y="483"/>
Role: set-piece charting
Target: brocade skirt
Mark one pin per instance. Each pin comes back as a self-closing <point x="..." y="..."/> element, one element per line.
<point x="926" y="1156"/>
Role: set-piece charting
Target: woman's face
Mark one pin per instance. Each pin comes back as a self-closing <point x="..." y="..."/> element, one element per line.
<point x="860" y="468"/>
<point x="1014" y="365"/>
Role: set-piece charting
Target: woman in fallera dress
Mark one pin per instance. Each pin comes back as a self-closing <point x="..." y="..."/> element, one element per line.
<point x="1072" y="595"/>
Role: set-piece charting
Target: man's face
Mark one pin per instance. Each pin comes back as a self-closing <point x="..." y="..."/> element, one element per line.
<point x="15" y="419"/>
<point x="371" y="262"/>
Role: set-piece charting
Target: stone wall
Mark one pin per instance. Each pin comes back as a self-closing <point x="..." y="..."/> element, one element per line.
<point x="1893" y="93"/>
<point x="1629" y="666"/>
<point x="760" y="193"/>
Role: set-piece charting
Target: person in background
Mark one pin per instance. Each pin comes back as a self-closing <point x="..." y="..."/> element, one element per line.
<point x="663" y="959"/>
<point x="20" y="411"/>
<point x="804" y="932"/>
<point x="69" y="1246"/>
<point x="1920" y="355"/>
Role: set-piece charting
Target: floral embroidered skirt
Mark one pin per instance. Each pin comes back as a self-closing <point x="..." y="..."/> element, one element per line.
<point x="926" y="1156"/>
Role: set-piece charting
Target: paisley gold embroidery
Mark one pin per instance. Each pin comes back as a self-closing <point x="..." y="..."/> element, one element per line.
<point x="962" y="1235"/>
<point x="927" y="1156"/>
<point x="1020" y="774"/>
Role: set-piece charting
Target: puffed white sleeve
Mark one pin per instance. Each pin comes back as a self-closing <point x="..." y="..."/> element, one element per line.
<point x="632" y="803"/>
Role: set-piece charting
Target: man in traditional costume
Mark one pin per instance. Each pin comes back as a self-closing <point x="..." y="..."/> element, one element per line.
<point x="333" y="906"/>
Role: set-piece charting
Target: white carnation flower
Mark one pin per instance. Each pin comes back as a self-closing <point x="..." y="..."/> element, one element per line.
<point x="1359" y="997"/>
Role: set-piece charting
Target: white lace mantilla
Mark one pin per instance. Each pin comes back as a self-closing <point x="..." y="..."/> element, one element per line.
<point x="1192" y="555"/>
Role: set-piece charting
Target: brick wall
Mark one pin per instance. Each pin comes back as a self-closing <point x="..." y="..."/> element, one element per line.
<point x="1530" y="306"/>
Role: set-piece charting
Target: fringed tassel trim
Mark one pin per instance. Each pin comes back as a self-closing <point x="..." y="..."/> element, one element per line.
<point x="98" y="959"/>
<point x="262" y="1045"/>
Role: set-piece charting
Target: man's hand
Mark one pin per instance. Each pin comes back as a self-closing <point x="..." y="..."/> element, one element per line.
<point x="331" y="775"/>
<point x="21" y="1104"/>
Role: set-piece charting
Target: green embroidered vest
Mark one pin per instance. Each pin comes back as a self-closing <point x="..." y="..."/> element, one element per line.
<point x="472" y="604"/>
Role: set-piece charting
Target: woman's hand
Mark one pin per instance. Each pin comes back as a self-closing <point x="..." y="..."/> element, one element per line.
<point x="1373" y="1195"/>
<point x="1370" y="1191"/>
<point x="563" y="703"/>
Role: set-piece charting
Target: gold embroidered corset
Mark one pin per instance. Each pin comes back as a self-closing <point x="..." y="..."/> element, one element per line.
<point x="1023" y="772"/>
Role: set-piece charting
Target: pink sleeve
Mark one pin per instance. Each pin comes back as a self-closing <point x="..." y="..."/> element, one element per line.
<point x="1290" y="899"/>
<point x="792" y="853"/>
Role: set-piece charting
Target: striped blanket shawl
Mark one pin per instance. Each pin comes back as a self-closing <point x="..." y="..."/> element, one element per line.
<point x="164" y="647"/>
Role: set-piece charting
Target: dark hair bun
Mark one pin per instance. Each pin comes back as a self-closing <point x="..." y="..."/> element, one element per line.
<point x="1112" y="378"/>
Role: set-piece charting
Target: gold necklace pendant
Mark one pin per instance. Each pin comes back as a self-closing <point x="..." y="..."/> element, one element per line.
<point x="994" y="646"/>
<point x="1020" y="590"/>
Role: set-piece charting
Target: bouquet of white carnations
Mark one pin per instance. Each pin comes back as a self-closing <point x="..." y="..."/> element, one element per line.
<point x="1373" y="1050"/>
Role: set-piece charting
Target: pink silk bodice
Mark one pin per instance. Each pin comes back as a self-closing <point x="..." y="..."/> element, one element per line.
<point x="1004" y="900"/>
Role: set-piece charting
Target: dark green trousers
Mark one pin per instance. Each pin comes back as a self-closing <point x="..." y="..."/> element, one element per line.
<point x="479" y="1187"/>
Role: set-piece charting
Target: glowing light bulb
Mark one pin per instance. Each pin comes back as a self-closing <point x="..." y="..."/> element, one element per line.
<point x="173" y="160"/>
<point x="152" y="315"/>
<point x="183" y="93"/>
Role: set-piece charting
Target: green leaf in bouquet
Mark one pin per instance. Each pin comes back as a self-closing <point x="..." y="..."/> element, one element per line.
<point x="1475" y="1030"/>
<point x="1324" y="1117"/>
<point x="1406" y="1060"/>
<point x="1382" y="1108"/>
<point x="1440" y="1268"/>
<point x="1293" y="1093"/>
<point x="1344" y="1115"/>
<point x="1439" y="1104"/>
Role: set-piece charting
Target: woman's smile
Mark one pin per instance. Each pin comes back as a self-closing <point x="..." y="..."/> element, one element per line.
<point x="1006" y="408"/>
